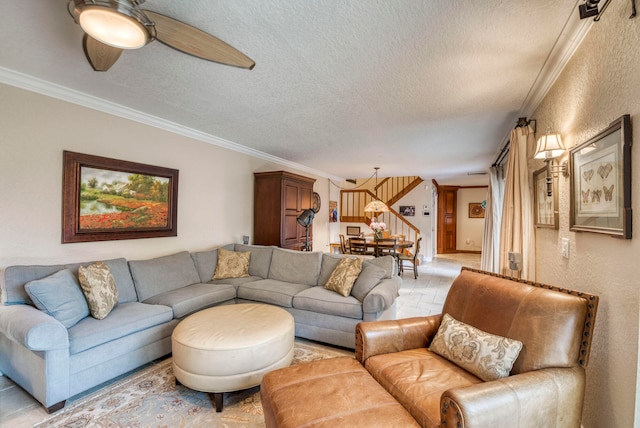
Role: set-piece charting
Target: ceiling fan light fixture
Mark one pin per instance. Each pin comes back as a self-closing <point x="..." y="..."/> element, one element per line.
<point x="116" y="23"/>
<point x="112" y="28"/>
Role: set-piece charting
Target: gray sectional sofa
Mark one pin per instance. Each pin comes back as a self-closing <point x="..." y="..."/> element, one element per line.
<point x="53" y="362"/>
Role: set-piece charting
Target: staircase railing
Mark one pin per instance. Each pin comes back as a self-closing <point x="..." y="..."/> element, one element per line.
<point x="389" y="190"/>
<point x="392" y="189"/>
<point x="397" y="225"/>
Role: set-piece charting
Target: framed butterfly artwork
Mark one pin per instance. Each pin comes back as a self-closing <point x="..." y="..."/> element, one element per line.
<point x="601" y="182"/>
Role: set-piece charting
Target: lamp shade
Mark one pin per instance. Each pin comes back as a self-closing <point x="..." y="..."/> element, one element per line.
<point x="306" y="218"/>
<point x="116" y="23"/>
<point x="113" y="28"/>
<point x="549" y="146"/>
<point x="376" y="206"/>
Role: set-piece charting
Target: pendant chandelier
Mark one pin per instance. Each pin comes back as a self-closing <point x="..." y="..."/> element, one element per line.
<point x="376" y="205"/>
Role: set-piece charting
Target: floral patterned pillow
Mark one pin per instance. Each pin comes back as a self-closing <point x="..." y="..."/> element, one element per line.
<point x="344" y="276"/>
<point x="486" y="355"/>
<point x="232" y="264"/>
<point x="99" y="288"/>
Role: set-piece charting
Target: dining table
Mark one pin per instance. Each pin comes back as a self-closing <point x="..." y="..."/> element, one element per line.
<point x="401" y="244"/>
<point x="370" y="242"/>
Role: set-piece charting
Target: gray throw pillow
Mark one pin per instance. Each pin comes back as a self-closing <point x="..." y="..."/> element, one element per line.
<point x="329" y="263"/>
<point x="60" y="296"/>
<point x="370" y="276"/>
<point x="260" y="259"/>
<point x="387" y="263"/>
<point x="205" y="262"/>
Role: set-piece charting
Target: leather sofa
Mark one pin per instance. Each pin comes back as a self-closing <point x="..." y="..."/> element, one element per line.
<point x="53" y="362"/>
<point x="544" y="388"/>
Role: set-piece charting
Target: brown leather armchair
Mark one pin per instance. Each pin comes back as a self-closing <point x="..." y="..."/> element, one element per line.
<point x="547" y="381"/>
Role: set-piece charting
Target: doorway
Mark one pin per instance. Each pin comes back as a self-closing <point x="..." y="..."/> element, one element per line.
<point x="447" y="215"/>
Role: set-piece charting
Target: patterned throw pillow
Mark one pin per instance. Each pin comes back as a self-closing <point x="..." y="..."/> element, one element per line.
<point x="232" y="264"/>
<point x="99" y="289"/>
<point x="487" y="356"/>
<point x="344" y="276"/>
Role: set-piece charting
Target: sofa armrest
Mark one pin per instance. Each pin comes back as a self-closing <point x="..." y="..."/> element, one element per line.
<point x="32" y="328"/>
<point x="549" y="397"/>
<point x="383" y="337"/>
<point x="382" y="296"/>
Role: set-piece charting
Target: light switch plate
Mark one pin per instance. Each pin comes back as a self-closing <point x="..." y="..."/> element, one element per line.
<point x="565" y="247"/>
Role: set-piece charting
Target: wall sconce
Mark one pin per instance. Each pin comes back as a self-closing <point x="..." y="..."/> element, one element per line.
<point x="549" y="147"/>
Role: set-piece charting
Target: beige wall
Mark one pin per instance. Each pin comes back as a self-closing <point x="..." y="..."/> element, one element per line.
<point x="600" y="83"/>
<point x="419" y="197"/>
<point x="469" y="231"/>
<point x="215" y="203"/>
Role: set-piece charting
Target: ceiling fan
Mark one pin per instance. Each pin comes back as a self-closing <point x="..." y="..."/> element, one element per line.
<point x="113" y="25"/>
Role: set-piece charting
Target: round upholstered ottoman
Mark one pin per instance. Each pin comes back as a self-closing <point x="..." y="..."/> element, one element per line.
<point x="229" y="348"/>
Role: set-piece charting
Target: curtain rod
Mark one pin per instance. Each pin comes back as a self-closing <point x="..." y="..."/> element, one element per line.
<point x="522" y="121"/>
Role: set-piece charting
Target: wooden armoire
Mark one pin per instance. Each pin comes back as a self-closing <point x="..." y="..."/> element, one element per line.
<point x="279" y="198"/>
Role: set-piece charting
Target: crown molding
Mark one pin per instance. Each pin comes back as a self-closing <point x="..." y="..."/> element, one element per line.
<point x="572" y="35"/>
<point x="43" y="87"/>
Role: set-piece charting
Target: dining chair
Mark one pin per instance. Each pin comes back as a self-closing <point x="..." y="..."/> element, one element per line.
<point x="411" y="258"/>
<point x="359" y="246"/>
<point x="344" y="248"/>
<point x="388" y="247"/>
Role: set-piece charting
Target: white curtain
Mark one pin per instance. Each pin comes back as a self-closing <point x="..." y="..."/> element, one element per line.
<point x="493" y="216"/>
<point x="517" y="231"/>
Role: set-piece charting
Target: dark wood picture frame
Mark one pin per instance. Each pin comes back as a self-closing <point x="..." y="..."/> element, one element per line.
<point x="545" y="207"/>
<point x="145" y="206"/>
<point x="353" y="231"/>
<point x="407" y="210"/>
<point x="601" y="182"/>
<point x="476" y="210"/>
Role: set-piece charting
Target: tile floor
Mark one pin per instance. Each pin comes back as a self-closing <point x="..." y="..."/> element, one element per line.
<point x="418" y="297"/>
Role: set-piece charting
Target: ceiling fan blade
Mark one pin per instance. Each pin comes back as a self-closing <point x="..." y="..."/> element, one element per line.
<point x="193" y="41"/>
<point x="100" y="56"/>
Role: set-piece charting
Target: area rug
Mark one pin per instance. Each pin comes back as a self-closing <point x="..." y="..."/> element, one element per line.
<point x="151" y="398"/>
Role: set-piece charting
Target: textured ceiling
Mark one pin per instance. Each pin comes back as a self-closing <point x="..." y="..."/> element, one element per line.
<point x="427" y="88"/>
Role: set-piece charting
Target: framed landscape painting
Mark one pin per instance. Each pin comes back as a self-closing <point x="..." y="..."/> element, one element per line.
<point x="601" y="182"/>
<point x="108" y="199"/>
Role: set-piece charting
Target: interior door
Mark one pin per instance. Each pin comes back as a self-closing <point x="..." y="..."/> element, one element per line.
<point x="447" y="213"/>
